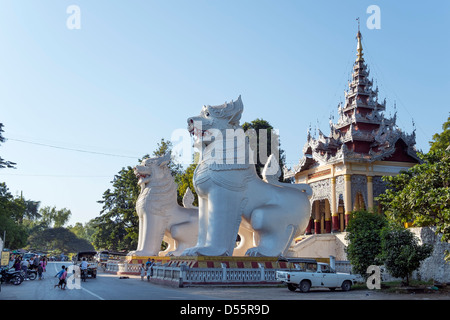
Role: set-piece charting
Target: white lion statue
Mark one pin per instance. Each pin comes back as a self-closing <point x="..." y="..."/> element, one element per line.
<point x="160" y="216"/>
<point x="230" y="192"/>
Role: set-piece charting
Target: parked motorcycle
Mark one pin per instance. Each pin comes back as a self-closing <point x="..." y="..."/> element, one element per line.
<point x="8" y="276"/>
<point x="31" y="274"/>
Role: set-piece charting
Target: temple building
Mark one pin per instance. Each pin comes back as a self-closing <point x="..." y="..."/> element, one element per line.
<point x="345" y="168"/>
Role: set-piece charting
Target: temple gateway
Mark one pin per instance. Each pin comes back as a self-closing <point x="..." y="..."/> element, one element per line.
<point x="345" y="168"/>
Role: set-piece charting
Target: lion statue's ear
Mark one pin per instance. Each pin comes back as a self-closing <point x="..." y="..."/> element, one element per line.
<point x="234" y="121"/>
<point x="164" y="160"/>
<point x="238" y="107"/>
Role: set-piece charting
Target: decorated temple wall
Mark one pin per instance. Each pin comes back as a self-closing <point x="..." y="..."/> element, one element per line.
<point x="339" y="189"/>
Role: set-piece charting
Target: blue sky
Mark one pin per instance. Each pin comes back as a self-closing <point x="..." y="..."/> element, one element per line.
<point x="136" y="70"/>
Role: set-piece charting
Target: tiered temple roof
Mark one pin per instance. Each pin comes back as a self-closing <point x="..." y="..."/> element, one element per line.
<point x="362" y="132"/>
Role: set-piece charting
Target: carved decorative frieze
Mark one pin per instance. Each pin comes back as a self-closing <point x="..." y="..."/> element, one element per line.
<point x="359" y="185"/>
<point x="379" y="186"/>
<point x="321" y="190"/>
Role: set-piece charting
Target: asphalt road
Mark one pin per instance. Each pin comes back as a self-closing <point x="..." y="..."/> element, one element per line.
<point x="104" y="287"/>
<point x="110" y="287"/>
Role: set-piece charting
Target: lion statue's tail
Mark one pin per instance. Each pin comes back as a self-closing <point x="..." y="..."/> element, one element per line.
<point x="188" y="199"/>
<point x="272" y="172"/>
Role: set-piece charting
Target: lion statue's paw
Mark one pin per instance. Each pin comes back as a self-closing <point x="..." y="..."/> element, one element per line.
<point x="175" y="253"/>
<point x="142" y="253"/>
<point x="189" y="252"/>
<point x="253" y="252"/>
<point x="206" y="251"/>
<point x="259" y="252"/>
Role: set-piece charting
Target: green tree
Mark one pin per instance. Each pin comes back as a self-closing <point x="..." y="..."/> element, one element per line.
<point x="61" y="218"/>
<point x="52" y="217"/>
<point x="32" y="209"/>
<point x="363" y="234"/>
<point x="117" y="226"/>
<point x="83" y="231"/>
<point x="186" y="180"/>
<point x="422" y="194"/>
<point x="401" y="253"/>
<point x="59" y="240"/>
<point x="4" y="163"/>
<point x="441" y="141"/>
<point x="10" y="209"/>
<point x="79" y="230"/>
<point x="164" y="147"/>
<point x="16" y="235"/>
<point x="261" y="124"/>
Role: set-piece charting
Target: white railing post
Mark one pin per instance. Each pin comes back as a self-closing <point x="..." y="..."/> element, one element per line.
<point x="183" y="271"/>
<point x="261" y="268"/>
<point x="224" y="272"/>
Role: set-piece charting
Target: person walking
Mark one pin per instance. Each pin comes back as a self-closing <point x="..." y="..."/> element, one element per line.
<point x="36" y="262"/>
<point x="149" y="265"/>
<point x="24" y="265"/>
<point x="44" y="260"/>
<point x="40" y="269"/>
<point x="142" y="270"/>
<point x="64" y="276"/>
<point x="16" y="264"/>
<point x="61" y="275"/>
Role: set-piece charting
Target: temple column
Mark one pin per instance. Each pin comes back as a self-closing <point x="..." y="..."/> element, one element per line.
<point x="334" y="213"/>
<point x="309" y="227"/>
<point x="356" y="205"/>
<point x="347" y="197"/>
<point x="327" y="217"/>
<point x="369" y="193"/>
<point x="317" y="229"/>
<point x="341" y="218"/>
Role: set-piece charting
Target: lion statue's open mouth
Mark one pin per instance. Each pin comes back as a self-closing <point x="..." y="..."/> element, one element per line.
<point x="141" y="177"/>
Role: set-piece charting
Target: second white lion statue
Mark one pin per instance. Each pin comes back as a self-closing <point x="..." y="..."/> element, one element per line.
<point x="160" y="216"/>
<point x="230" y="192"/>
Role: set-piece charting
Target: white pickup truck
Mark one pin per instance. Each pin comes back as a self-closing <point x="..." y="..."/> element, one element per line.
<point x="308" y="273"/>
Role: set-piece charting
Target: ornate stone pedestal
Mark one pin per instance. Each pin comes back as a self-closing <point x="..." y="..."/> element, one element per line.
<point x="140" y="260"/>
<point x="213" y="262"/>
<point x="228" y="262"/>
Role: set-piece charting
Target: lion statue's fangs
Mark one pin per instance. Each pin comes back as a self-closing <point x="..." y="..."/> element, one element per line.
<point x="231" y="194"/>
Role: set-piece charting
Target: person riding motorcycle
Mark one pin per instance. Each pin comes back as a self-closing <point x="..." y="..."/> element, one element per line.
<point x="84" y="266"/>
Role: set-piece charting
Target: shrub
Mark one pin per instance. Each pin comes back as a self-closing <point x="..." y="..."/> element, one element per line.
<point x="401" y="253"/>
<point x="363" y="234"/>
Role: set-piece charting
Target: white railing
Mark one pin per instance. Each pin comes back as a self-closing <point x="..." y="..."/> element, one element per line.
<point x="112" y="266"/>
<point x="122" y="267"/>
<point x="167" y="273"/>
<point x="195" y="276"/>
<point x="343" y="266"/>
<point x="185" y="276"/>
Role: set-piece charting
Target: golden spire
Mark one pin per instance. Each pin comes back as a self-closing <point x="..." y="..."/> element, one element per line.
<point x="359" y="53"/>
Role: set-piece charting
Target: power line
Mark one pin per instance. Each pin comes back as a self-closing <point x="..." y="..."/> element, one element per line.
<point x="73" y="149"/>
<point x="51" y="175"/>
